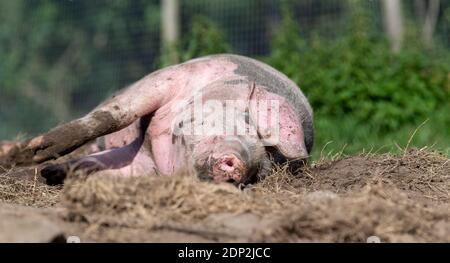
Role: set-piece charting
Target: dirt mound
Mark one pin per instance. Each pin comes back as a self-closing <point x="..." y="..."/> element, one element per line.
<point x="376" y="211"/>
<point x="396" y="198"/>
<point x="422" y="174"/>
<point x="180" y="203"/>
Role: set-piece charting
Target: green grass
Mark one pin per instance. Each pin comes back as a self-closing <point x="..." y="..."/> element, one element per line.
<point x="347" y="136"/>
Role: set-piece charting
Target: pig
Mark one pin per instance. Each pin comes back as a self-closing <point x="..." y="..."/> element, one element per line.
<point x="227" y="116"/>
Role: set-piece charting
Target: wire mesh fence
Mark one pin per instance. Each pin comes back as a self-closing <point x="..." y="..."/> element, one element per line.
<point x="59" y="58"/>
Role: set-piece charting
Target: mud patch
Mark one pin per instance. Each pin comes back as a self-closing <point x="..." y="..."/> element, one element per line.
<point x="66" y="138"/>
<point x="60" y="140"/>
<point x="422" y="175"/>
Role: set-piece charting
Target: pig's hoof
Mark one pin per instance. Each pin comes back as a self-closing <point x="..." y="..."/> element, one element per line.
<point x="54" y="174"/>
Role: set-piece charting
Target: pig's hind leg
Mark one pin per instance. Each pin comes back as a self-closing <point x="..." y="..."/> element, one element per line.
<point x="126" y="161"/>
<point x="123" y="152"/>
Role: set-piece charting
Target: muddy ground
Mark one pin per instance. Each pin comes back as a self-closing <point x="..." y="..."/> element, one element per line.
<point x="396" y="198"/>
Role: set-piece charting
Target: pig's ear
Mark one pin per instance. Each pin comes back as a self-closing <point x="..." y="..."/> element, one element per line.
<point x="277" y="123"/>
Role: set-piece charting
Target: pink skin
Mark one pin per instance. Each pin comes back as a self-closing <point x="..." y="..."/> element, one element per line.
<point x="228" y="167"/>
<point x="6" y="146"/>
<point x="157" y="151"/>
<point x="169" y="157"/>
<point x="290" y="133"/>
<point x="223" y="157"/>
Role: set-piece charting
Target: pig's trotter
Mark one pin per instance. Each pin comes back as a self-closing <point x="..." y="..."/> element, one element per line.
<point x="54" y="174"/>
<point x="57" y="173"/>
<point x="59" y="141"/>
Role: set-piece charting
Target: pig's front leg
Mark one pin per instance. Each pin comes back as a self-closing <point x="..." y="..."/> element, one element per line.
<point x="140" y="99"/>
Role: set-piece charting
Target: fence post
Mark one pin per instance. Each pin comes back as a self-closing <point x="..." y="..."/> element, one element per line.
<point x="432" y="14"/>
<point x="393" y="23"/>
<point x="170" y="29"/>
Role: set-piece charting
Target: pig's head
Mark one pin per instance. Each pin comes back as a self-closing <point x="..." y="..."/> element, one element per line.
<point x="235" y="159"/>
<point x="239" y="128"/>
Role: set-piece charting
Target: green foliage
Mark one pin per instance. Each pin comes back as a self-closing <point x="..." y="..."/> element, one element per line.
<point x="357" y="75"/>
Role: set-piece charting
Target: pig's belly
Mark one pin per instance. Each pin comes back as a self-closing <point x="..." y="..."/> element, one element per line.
<point x="143" y="163"/>
<point x="119" y="138"/>
<point x="167" y="151"/>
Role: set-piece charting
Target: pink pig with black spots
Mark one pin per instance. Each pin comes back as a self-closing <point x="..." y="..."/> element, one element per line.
<point x="228" y="116"/>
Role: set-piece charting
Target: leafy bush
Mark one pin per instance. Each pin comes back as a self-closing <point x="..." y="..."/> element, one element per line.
<point x="357" y="75"/>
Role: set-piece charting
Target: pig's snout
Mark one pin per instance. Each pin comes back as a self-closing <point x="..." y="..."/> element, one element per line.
<point x="228" y="168"/>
